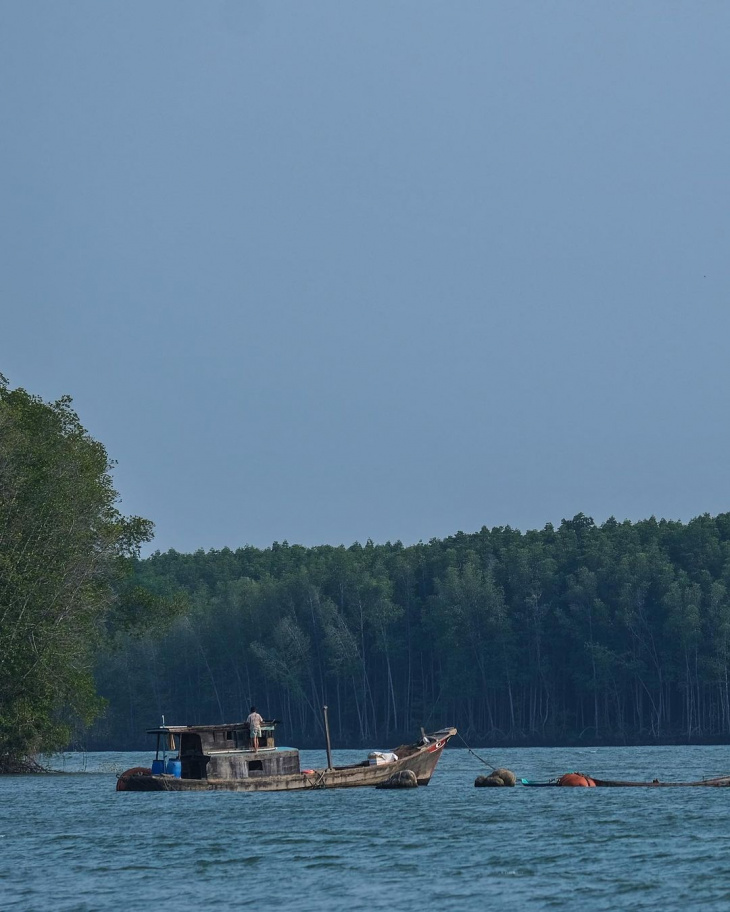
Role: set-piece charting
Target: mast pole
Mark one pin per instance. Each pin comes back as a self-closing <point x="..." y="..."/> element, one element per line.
<point x="327" y="736"/>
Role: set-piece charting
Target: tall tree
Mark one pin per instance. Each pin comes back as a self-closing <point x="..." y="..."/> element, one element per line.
<point x="63" y="545"/>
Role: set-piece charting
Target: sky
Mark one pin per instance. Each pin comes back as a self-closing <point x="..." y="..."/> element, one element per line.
<point x="324" y="272"/>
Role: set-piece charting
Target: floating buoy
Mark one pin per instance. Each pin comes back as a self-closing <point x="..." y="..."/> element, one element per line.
<point x="405" y="779"/>
<point x="498" y="778"/>
<point x="579" y="780"/>
<point x="124" y="777"/>
<point x="507" y="776"/>
<point x="307" y="772"/>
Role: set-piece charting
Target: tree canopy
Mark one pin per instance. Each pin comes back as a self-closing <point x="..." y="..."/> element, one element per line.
<point x="610" y="633"/>
<point x="64" y="547"/>
<point x="618" y="632"/>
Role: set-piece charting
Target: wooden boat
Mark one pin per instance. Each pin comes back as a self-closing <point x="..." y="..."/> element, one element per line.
<point x="219" y="758"/>
<point x="716" y="782"/>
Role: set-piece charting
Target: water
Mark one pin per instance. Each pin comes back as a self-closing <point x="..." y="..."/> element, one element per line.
<point x="70" y="842"/>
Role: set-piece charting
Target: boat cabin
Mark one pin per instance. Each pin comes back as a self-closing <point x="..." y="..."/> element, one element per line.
<point x="220" y="752"/>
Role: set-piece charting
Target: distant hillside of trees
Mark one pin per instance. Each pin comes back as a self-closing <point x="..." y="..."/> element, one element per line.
<point x="601" y="634"/>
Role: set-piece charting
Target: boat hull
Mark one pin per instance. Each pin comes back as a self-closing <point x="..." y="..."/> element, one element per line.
<point x="719" y="782"/>
<point x="422" y="762"/>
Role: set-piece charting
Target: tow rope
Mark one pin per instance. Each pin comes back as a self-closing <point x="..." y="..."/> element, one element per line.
<point x="473" y="753"/>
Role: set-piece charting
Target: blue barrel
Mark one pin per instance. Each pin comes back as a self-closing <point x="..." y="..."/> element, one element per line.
<point x="174" y="768"/>
<point x="158" y="767"/>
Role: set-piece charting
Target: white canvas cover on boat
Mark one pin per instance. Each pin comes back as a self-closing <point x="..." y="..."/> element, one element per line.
<point x="378" y="757"/>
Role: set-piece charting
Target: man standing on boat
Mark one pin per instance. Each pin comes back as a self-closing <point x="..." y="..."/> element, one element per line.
<point x="254" y="728"/>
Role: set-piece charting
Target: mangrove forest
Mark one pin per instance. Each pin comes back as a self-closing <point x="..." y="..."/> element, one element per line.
<point x="611" y="633"/>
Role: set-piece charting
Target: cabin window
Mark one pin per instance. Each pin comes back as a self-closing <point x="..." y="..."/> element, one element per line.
<point x="254" y="765"/>
<point x="229" y="736"/>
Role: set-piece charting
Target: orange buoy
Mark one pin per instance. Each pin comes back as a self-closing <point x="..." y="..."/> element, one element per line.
<point x="577" y="779"/>
<point x="127" y="775"/>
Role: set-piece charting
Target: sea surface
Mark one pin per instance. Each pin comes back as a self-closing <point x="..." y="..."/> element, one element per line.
<point x="69" y="841"/>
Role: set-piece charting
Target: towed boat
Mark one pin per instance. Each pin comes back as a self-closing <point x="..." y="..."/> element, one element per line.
<point x="581" y="780"/>
<point x="219" y="758"/>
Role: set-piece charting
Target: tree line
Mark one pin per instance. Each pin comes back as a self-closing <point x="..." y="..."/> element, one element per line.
<point x="604" y="634"/>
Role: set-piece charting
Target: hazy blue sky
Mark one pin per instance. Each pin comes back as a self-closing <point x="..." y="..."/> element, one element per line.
<point x="324" y="271"/>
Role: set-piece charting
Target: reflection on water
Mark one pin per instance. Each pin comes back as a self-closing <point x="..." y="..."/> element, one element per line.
<point x="71" y="842"/>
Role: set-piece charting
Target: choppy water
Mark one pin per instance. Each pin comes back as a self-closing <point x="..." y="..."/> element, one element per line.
<point x="70" y="842"/>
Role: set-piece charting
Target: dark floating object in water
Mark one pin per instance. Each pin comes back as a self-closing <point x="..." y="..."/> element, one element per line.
<point x="405" y="779"/>
<point x="488" y="782"/>
<point x="581" y="780"/>
<point x="499" y="778"/>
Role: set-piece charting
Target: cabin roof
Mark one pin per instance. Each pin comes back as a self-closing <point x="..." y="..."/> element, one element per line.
<point x="226" y="726"/>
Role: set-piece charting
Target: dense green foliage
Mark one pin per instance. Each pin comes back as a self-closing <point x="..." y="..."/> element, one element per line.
<point x="63" y="544"/>
<point x="612" y="633"/>
<point x="617" y="632"/>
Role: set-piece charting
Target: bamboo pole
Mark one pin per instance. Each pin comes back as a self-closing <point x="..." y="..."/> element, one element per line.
<point x="327" y="736"/>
